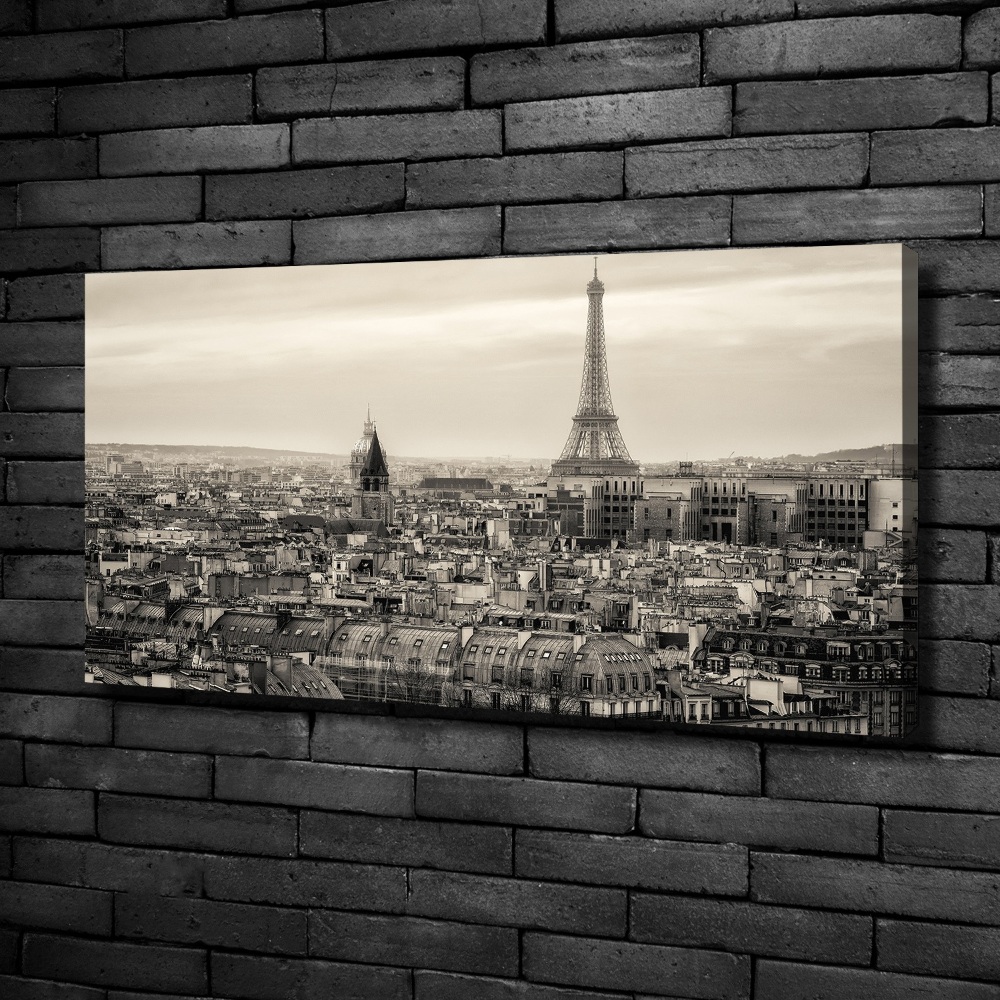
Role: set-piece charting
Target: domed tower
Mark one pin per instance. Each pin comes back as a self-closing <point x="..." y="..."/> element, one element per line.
<point x="360" y="451"/>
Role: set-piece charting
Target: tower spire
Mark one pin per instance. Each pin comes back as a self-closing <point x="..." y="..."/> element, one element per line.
<point x="595" y="445"/>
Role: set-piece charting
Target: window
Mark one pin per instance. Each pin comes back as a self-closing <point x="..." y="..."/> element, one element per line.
<point x="469" y="671"/>
<point x="444" y="645"/>
<point x="587" y="682"/>
<point x="525" y="702"/>
<point x="647" y="683"/>
<point x="621" y="682"/>
<point x="495" y="699"/>
<point x="527" y="677"/>
<point x="635" y="682"/>
<point x="530" y="654"/>
<point x="546" y="654"/>
<point x="585" y="709"/>
<point x="497" y="675"/>
<point x="467" y="699"/>
<point x="417" y="643"/>
<point x="501" y="651"/>
<point x="555" y="680"/>
<point x="367" y="638"/>
<point x="474" y="649"/>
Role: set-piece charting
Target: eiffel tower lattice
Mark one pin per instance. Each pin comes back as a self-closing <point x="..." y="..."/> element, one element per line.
<point x="595" y="445"/>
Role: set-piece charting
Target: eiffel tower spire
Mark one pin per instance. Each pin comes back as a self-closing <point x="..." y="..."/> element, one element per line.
<point x="595" y="446"/>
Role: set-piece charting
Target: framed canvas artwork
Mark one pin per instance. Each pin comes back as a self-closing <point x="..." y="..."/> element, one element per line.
<point x="675" y="489"/>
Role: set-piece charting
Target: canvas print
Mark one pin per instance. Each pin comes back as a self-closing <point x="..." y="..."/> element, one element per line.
<point x="669" y="488"/>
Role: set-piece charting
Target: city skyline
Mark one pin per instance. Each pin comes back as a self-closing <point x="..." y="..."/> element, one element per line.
<point x="290" y="358"/>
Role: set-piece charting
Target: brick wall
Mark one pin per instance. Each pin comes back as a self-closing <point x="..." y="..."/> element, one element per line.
<point x="156" y="846"/>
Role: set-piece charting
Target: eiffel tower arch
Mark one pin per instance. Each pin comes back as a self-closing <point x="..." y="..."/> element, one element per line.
<point x="595" y="446"/>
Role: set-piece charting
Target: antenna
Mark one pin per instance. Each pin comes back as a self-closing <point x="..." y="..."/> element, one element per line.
<point x="595" y="267"/>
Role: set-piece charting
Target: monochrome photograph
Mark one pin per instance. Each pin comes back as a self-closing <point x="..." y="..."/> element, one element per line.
<point x="671" y="488"/>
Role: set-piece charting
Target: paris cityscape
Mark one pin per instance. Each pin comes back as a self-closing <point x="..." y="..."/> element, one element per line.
<point x="770" y="590"/>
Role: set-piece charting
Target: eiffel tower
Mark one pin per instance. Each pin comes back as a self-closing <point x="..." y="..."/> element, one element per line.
<point x="595" y="446"/>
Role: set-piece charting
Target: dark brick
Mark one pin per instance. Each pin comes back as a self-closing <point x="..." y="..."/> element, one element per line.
<point x="414" y="941"/>
<point x="969" y="324"/>
<point x="200" y="729"/>
<point x="195" y="150"/>
<point x="633" y="862"/>
<point x="585" y="68"/>
<point x="429" y="84"/>
<point x="396" y="137"/>
<point x="15" y="16"/>
<point x="12" y="763"/>
<point x="26" y="668"/>
<point x="9" y="942"/>
<point x="517" y="903"/>
<point x="54" y="203"/>
<point x="50" y="296"/>
<point x="958" y="266"/>
<point x="961" y="497"/>
<point x="204" y="921"/>
<point x="460" y="232"/>
<point x="515" y="179"/>
<point x="293" y="36"/>
<point x="41" y="344"/>
<point x="526" y="801"/>
<point x="69" y="720"/>
<point x="28" y="112"/>
<point x="982" y="38"/>
<point x="35" y="389"/>
<point x="991" y="210"/>
<point x="825" y="8"/>
<point x="968" y="724"/>
<point x="113" y="770"/>
<point x="936" y="156"/>
<point x="197" y="825"/>
<point x="955" y="667"/>
<point x="453" y="986"/>
<point x="305" y="193"/>
<point x="840" y="829"/>
<point x="46" y="810"/>
<point x="47" y="159"/>
<point x="964" y="952"/>
<point x="656" y="759"/>
<point x="197" y="244"/>
<point x="957" y="840"/>
<point x="875" y="214"/>
<point x="306" y="883"/>
<point x="747" y="165"/>
<point x="53" y="577"/>
<point x="782" y="932"/>
<point x="614" y="225"/>
<point x="617" y="119"/>
<point x="954" y="611"/>
<point x="44" y="482"/>
<point x="617" y="965"/>
<point x="444" y="745"/>
<point x="116" y="963"/>
<point x="956" y="440"/>
<point x="417" y="843"/>
<point x="55" y="15"/>
<point x="103" y="866"/>
<point x="848" y="45"/>
<point x="952" y="556"/>
<point x="873" y="886"/>
<point x="791" y="981"/>
<point x="595" y="19"/>
<point x="861" y="105"/>
<point x="366" y="29"/>
<point x="882" y="777"/>
<point x="376" y="791"/>
<point x="26" y="250"/>
<point x="8" y="207"/>
<point x="149" y="104"/>
<point x="279" y="979"/>
<point x="37" y="435"/>
<point x="39" y="989"/>
<point x="55" y="908"/>
<point x="41" y="529"/>
<point x="91" y="55"/>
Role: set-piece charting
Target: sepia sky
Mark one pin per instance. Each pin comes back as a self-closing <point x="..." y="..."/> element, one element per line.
<point x="712" y="352"/>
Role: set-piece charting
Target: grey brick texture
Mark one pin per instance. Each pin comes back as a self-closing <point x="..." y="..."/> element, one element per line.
<point x="155" y="847"/>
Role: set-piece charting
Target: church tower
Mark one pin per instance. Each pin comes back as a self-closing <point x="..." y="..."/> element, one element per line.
<point x="370" y="478"/>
